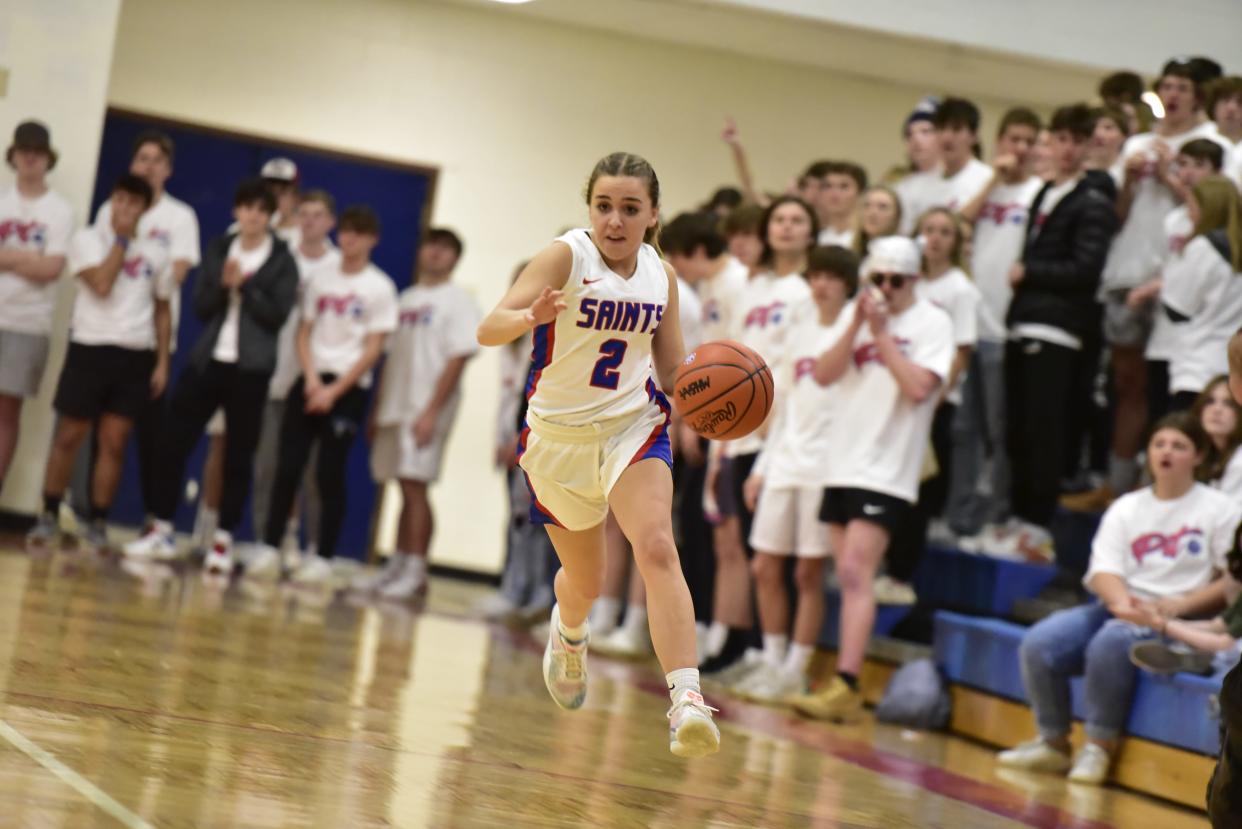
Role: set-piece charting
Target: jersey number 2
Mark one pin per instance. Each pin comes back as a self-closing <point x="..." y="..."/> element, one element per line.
<point x="606" y="375"/>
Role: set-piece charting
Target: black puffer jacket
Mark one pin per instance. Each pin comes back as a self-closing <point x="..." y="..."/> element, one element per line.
<point x="1063" y="259"/>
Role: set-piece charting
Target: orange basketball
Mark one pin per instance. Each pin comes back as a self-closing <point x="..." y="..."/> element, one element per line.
<point x="723" y="390"/>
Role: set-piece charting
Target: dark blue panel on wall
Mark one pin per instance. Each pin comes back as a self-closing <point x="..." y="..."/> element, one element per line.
<point x="208" y="166"/>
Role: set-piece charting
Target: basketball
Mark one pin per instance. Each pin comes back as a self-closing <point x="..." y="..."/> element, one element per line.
<point x="723" y="390"/>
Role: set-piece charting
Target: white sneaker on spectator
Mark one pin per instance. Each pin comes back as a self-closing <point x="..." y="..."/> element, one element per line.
<point x="752" y="660"/>
<point x="265" y="563"/>
<point x="1091" y="765"/>
<point x="315" y="570"/>
<point x="773" y="687"/>
<point x="1035" y="755"/>
<point x="938" y="532"/>
<point x="373" y="580"/>
<point x="45" y="534"/>
<point x="889" y="591"/>
<point x="219" y="561"/>
<point x="625" y="642"/>
<point x="157" y="544"/>
<point x="290" y="559"/>
<point x="411" y="583"/>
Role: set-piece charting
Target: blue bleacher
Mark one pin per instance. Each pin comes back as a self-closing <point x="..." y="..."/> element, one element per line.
<point x="983" y="654"/>
<point x="949" y="578"/>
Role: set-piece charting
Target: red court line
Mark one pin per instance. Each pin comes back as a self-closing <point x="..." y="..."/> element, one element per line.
<point x="990" y="798"/>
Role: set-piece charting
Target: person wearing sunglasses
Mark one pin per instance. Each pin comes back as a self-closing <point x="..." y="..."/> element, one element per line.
<point x="887" y="367"/>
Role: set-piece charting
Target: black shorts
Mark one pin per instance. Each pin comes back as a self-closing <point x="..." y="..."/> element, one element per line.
<point x="104" y="378"/>
<point x="841" y="505"/>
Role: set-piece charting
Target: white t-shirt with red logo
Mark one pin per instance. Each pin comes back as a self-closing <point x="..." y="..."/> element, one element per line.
<point x="436" y="324"/>
<point x="690" y="315"/>
<point x="798" y="452"/>
<point x="719" y="296"/>
<point x="921" y="192"/>
<point x="1165" y="333"/>
<point x="766" y="312"/>
<point x="43" y="225"/>
<point x="1139" y="248"/>
<point x="126" y="316"/>
<point x="1201" y="285"/>
<point x="288" y="368"/>
<point x="248" y="261"/>
<point x="1000" y="232"/>
<point x="879" y="436"/>
<point x="345" y="309"/>
<point x="1164" y="548"/>
<point x="954" y="293"/>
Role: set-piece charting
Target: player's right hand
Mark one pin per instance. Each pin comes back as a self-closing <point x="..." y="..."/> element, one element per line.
<point x="544" y="309"/>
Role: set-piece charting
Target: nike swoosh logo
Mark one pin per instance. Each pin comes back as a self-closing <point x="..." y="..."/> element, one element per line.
<point x="592" y="281"/>
<point x="873" y="509"/>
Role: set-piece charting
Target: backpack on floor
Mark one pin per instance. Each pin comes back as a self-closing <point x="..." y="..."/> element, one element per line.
<point x="916" y="697"/>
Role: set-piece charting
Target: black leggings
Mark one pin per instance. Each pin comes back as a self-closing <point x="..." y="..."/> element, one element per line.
<point x="335" y="432"/>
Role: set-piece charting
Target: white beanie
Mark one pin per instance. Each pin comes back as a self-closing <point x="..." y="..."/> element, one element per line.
<point x="893" y="254"/>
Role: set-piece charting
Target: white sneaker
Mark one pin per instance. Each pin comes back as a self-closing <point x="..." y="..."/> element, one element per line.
<point x="373" y="580"/>
<point x="938" y="532"/>
<point x="265" y="564"/>
<point x="157" y="544"/>
<point x="219" y="561"/>
<point x="1035" y="755"/>
<point x="626" y="643"/>
<point x="314" y="571"/>
<point x="1091" y="765"/>
<point x="773" y="687"/>
<point x="691" y="730"/>
<point x="290" y="559"/>
<point x="409" y="585"/>
<point x="892" y="592"/>
<point x="989" y="535"/>
<point x="564" y="665"/>
<point x="730" y="677"/>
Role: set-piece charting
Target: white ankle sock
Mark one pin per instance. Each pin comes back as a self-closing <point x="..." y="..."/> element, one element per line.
<point x="682" y="681"/>
<point x="636" y="618"/>
<point x="573" y="634"/>
<point x="605" y="611"/>
<point x="716" y="636"/>
<point x="798" y="658"/>
<point x="774" y="646"/>
<point x="415" y="565"/>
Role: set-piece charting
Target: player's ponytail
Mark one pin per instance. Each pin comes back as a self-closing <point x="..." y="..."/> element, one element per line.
<point x="630" y="165"/>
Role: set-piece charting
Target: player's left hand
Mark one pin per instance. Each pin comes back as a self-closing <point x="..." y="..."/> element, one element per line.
<point x="544" y="309"/>
<point x="425" y="428"/>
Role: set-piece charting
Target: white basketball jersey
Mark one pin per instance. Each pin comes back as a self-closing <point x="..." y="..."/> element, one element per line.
<point x="594" y="361"/>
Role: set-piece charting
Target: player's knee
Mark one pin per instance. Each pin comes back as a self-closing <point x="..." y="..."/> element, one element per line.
<point x="656" y="550"/>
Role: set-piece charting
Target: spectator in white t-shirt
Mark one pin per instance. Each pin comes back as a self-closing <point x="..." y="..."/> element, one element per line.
<point x="961" y="176"/>
<point x="1221" y="418"/>
<point x="888" y="366"/>
<point x="313" y="254"/>
<point x="1224" y="105"/>
<point x="1202" y="289"/>
<point x="117" y="358"/>
<point x="36" y="223"/>
<point x="1138" y="253"/>
<point x="173" y="224"/>
<point x="1000" y="212"/>
<point x="347" y="314"/>
<point x="417" y="399"/>
<point x="945" y="285"/>
<point x="244" y="292"/>
<point x="836" y="202"/>
<point x="786" y="486"/>
<point x="922" y="156"/>
<point x="1155" y="555"/>
<point x="1111" y="132"/>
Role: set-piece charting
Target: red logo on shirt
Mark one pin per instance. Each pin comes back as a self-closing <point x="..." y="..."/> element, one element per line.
<point x="870" y="352"/>
<point x="1003" y="213"/>
<point x="1189" y="539"/>
<point x="421" y="315"/>
<point x="348" y="305"/>
<point x="136" y="267"/>
<point x="765" y="315"/>
<point x="23" y="232"/>
<point x="804" y="367"/>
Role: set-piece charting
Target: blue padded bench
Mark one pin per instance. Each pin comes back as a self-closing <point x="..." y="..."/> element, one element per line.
<point x="983" y="654"/>
<point x="949" y="578"/>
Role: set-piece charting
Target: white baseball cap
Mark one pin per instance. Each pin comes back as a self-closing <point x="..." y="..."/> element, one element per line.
<point x="280" y="169"/>
<point x="893" y="254"/>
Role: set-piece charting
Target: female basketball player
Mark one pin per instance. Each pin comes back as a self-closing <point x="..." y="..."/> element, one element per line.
<point x="603" y="308"/>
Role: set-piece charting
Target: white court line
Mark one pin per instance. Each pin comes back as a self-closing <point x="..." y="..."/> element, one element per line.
<point x="79" y="783"/>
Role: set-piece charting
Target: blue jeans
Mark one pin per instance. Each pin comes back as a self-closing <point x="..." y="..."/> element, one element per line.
<point x="1084" y="640"/>
<point x="979" y="485"/>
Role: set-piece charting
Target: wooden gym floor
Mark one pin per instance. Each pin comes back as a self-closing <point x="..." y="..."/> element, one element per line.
<point x="163" y="702"/>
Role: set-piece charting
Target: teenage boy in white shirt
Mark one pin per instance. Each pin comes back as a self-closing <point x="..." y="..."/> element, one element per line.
<point x="314" y="253"/>
<point x="999" y="212"/>
<point x="416" y="404"/>
<point x="173" y="224"/>
<point x="347" y="314"/>
<point x="1137" y="255"/>
<point x="922" y="155"/>
<point x="35" y="225"/>
<point x="836" y="203"/>
<point x="961" y="175"/>
<point x="244" y="292"/>
<point x="117" y="358"/>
